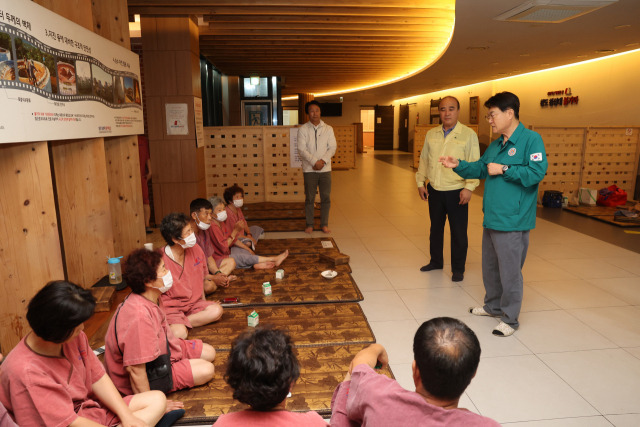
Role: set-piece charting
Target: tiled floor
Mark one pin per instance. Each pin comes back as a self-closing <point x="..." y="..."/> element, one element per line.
<point x="575" y="360"/>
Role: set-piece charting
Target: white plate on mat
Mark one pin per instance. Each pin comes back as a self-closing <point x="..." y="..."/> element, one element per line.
<point x="329" y="274"/>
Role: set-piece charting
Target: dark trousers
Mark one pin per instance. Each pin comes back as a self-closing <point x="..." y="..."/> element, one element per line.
<point x="321" y="180"/>
<point x="441" y="205"/>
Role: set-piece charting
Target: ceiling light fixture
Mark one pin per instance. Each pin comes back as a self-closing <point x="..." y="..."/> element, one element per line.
<point x="552" y="11"/>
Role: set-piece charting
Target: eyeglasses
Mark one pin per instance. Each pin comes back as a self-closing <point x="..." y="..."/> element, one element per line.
<point x="492" y="116"/>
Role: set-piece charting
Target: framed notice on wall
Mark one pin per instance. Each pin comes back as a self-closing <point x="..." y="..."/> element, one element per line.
<point x="474" y="110"/>
<point x="59" y="80"/>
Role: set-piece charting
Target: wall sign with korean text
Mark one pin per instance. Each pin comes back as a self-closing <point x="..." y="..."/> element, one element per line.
<point x="59" y="80"/>
<point x="559" y="98"/>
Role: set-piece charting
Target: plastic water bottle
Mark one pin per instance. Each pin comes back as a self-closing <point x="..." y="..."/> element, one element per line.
<point x="115" y="271"/>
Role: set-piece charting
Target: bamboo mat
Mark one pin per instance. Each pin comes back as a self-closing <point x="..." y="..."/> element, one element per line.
<point x="321" y="370"/>
<point x="302" y="284"/>
<point x="273" y="216"/>
<point x="311" y="245"/>
<point x="604" y="214"/>
<point x="275" y="225"/>
<point x="307" y="324"/>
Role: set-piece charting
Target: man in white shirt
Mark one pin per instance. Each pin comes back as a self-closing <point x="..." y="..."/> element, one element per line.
<point x="316" y="147"/>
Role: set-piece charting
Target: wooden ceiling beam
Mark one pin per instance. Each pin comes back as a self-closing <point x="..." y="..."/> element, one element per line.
<point x="240" y="27"/>
<point x="180" y="9"/>
<point x="328" y="19"/>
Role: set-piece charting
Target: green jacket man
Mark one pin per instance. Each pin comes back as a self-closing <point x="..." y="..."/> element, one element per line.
<point x="513" y="166"/>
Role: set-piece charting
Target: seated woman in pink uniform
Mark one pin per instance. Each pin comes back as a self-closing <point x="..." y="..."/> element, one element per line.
<point x="139" y="332"/>
<point x="226" y="243"/>
<point x="234" y="198"/>
<point x="185" y="304"/>
<point x="262" y="370"/>
<point x="53" y="378"/>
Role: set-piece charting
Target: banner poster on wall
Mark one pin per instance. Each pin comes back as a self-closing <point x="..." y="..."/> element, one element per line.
<point x="294" y="158"/>
<point x="59" y="80"/>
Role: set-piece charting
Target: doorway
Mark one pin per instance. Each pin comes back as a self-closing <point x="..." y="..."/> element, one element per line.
<point x="383" y="136"/>
<point x="367" y="118"/>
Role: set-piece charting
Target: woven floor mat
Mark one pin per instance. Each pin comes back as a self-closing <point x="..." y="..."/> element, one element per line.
<point x="308" y="325"/>
<point x="302" y="284"/>
<point x="259" y="215"/>
<point x="603" y="213"/>
<point x="311" y="245"/>
<point x="272" y="206"/>
<point x="284" y="224"/>
<point x="321" y="370"/>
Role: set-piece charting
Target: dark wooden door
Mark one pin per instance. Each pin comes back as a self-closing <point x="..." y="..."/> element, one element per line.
<point x="403" y="128"/>
<point x="383" y="137"/>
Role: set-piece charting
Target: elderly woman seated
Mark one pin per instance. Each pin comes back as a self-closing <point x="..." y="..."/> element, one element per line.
<point x="227" y="244"/>
<point x="53" y="378"/>
<point x="139" y="333"/>
<point x="262" y="370"/>
<point x="185" y="304"/>
<point x="234" y="198"/>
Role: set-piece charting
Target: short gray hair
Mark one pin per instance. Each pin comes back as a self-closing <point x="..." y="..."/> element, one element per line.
<point x="215" y="201"/>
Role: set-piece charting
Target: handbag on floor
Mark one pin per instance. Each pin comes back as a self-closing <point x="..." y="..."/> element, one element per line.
<point x="158" y="370"/>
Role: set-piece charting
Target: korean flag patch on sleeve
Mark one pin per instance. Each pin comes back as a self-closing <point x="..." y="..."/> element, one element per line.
<point x="536" y="157"/>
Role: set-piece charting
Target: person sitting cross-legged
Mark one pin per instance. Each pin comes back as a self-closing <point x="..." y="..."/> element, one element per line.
<point x="446" y="356"/>
<point x="227" y="244"/>
<point x="262" y="370"/>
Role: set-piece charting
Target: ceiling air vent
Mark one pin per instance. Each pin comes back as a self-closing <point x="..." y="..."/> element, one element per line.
<point x="552" y="11"/>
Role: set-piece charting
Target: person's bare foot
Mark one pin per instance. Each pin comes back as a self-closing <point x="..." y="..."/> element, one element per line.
<point x="282" y="257"/>
<point x="326" y="230"/>
<point x="308" y="230"/>
<point x="264" y="265"/>
<point x="231" y="278"/>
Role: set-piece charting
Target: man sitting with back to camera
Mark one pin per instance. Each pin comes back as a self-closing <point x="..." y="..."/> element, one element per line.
<point x="446" y="356"/>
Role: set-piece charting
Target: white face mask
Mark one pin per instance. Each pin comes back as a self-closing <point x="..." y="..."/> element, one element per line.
<point x="222" y="216"/>
<point x="203" y="225"/>
<point x="190" y="241"/>
<point x="238" y="203"/>
<point x="167" y="279"/>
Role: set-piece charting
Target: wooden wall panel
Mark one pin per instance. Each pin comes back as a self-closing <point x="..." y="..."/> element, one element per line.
<point x="345" y="157"/>
<point x="111" y="21"/>
<point x="235" y="155"/>
<point x="29" y="241"/>
<point x="83" y="202"/>
<point x="282" y="182"/>
<point x="125" y="193"/>
<point x="611" y="157"/>
<point x="359" y="137"/>
<point x="303" y="98"/>
<point x="258" y="158"/>
<point x="78" y="11"/>
<point x="565" y="148"/>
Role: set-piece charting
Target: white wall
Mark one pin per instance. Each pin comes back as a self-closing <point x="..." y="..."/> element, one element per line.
<point x="608" y="91"/>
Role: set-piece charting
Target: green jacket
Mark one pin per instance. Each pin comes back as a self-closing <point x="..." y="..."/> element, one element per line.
<point x="510" y="199"/>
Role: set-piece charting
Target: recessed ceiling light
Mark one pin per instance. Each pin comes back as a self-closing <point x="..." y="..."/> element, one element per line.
<point x="631" y="44"/>
<point x="620" y="27"/>
<point x="545" y="65"/>
<point x="525" y="54"/>
<point x="605" y="50"/>
<point x="581" y="56"/>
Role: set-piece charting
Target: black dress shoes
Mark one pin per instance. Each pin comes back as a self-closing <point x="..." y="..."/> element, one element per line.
<point x="430" y="267"/>
<point x="457" y="277"/>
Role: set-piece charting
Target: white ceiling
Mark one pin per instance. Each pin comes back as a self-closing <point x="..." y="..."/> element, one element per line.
<point x="485" y="49"/>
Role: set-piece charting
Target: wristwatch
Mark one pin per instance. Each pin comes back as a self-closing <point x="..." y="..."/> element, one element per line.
<point x="505" y="168"/>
